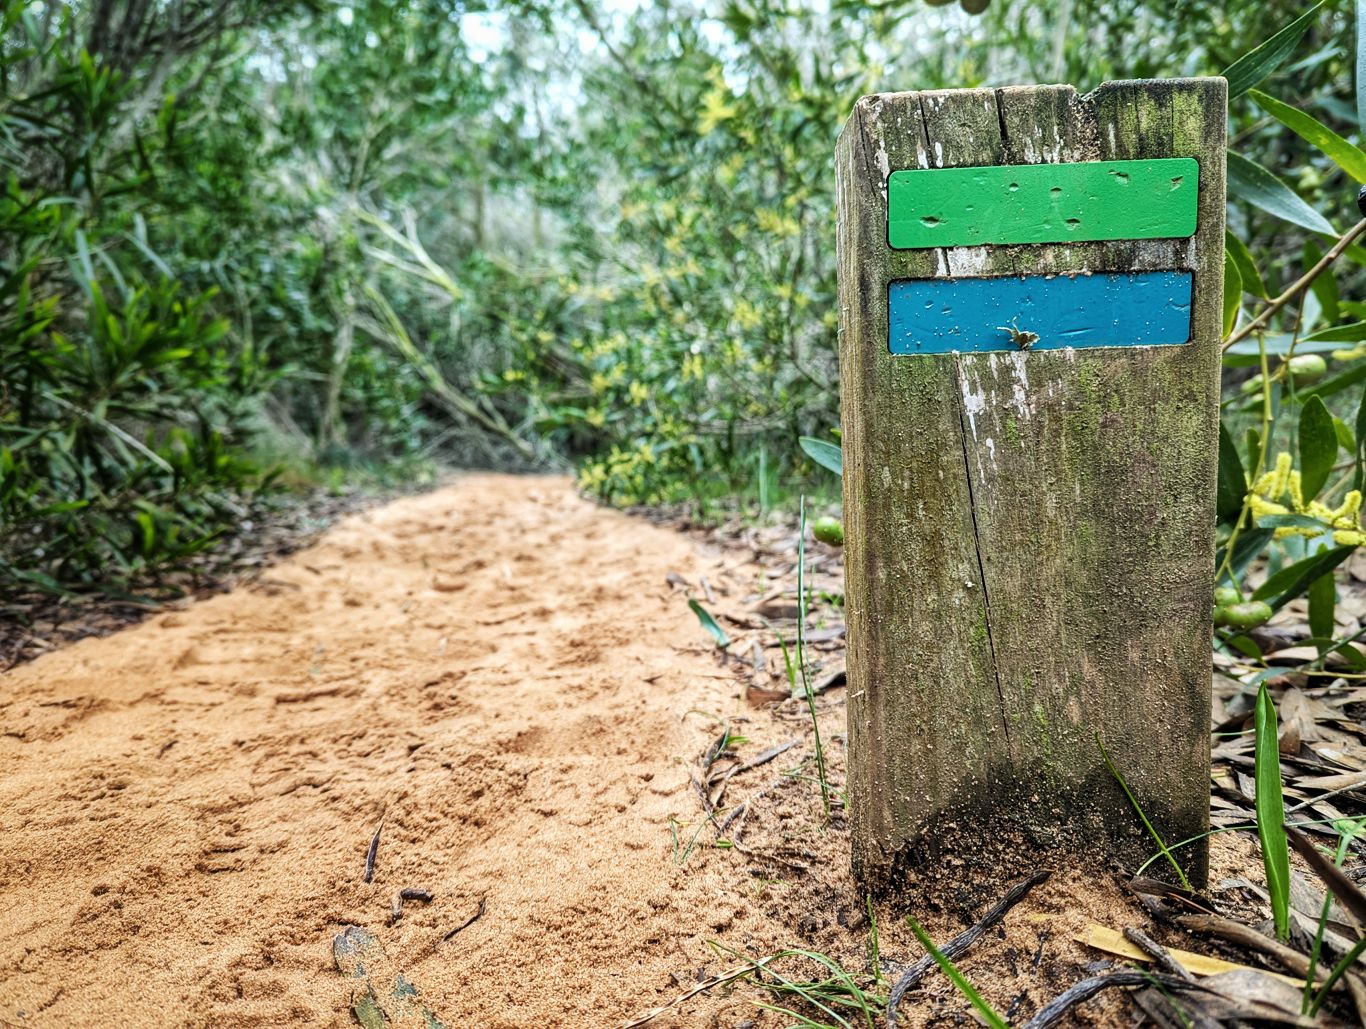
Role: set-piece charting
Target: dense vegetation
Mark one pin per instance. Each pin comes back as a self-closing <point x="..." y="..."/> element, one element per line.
<point x="245" y="238"/>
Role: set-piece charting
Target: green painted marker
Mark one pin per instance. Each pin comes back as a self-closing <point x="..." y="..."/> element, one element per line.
<point x="1042" y="203"/>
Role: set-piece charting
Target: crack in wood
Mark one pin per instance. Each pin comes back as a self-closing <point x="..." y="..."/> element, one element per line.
<point x="977" y="547"/>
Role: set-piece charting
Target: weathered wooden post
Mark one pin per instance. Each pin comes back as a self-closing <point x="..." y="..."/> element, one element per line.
<point x="1030" y="288"/>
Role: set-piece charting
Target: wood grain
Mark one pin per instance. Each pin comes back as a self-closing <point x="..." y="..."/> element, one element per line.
<point x="1029" y="536"/>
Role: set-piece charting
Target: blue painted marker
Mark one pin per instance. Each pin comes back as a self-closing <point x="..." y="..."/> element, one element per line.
<point x="1122" y="309"/>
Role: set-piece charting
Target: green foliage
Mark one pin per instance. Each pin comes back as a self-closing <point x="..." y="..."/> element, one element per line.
<point x="560" y="234"/>
<point x="1270" y="805"/>
<point x="121" y="392"/>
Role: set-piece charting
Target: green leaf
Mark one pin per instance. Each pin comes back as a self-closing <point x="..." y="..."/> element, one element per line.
<point x="1270" y="805"/>
<point x="1291" y="521"/>
<point x="1232" y="479"/>
<point x="1325" y="284"/>
<point x="1261" y="61"/>
<point x="1342" y="153"/>
<point x="1322" y="598"/>
<point x="1249" y="181"/>
<point x="1249" y="545"/>
<point x="956" y="977"/>
<point x="1318" y="447"/>
<point x="1157" y="837"/>
<point x="1353" y="332"/>
<point x="1346" y="438"/>
<point x="824" y="453"/>
<point x="1233" y="292"/>
<point x="1292" y="580"/>
<point x="1360" y="451"/>
<point x="1247" y="267"/>
<point x="709" y="623"/>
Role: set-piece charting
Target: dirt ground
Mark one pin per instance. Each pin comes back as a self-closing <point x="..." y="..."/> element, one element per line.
<point x="502" y="675"/>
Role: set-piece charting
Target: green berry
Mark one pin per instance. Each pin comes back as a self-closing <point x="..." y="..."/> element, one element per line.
<point x="1307" y="367"/>
<point x="828" y="530"/>
<point x="1226" y="596"/>
<point x="1247" y="615"/>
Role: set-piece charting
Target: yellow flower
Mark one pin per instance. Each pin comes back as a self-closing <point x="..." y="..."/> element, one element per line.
<point x="775" y="223"/>
<point x="746" y="314"/>
<point x="1271" y="486"/>
<point x="716" y="108"/>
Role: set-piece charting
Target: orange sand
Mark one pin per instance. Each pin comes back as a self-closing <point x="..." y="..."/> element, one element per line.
<point x="498" y="669"/>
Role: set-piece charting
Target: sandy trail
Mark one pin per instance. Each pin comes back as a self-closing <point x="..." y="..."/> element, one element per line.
<point x="497" y="669"/>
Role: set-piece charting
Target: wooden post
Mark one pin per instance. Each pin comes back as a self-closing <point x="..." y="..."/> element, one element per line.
<point x="1030" y="376"/>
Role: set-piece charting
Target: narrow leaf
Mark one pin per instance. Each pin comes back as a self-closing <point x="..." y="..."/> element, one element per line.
<point x="1292" y="580"/>
<point x="1342" y="153"/>
<point x="1270" y="805"/>
<point x="1157" y="837"/>
<point x="824" y="453"/>
<point x="1325" y="284"/>
<point x="1247" y="266"/>
<point x="1249" y="545"/>
<point x="1291" y="521"/>
<point x="956" y="977"/>
<point x="1232" y="479"/>
<point x="1322" y="598"/>
<point x="1248" y="180"/>
<point x="1261" y="61"/>
<point x="709" y="623"/>
<point x="1318" y="447"/>
<point x="1361" y="437"/>
<point x="1353" y="332"/>
<point x="1233" y="292"/>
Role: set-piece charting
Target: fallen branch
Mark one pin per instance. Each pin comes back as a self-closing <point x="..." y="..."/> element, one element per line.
<point x="962" y="941"/>
<point x="1158" y="953"/>
<point x="1052" y="1013"/>
<point x="372" y="853"/>
<point x="701" y="987"/>
<point x="755" y="762"/>
<point x="1246" y="936"/>
<point x="483" y="906"/>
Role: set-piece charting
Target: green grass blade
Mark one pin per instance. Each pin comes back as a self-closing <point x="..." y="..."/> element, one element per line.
<point x="1270" y="805"/>
<point x="1346" y="832"/>
<point x="801" y="658"/>
<point x="966" y="988"/>
<point x="709" y="623"/>
<point x="1339" y="970"/>
<point x="1133" y="801"/>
